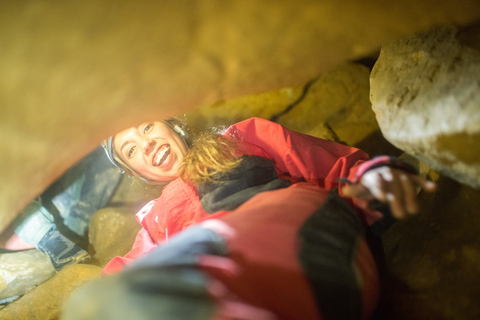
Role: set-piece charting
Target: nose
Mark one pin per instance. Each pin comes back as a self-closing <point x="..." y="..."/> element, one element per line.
<point x="147" y="146"/>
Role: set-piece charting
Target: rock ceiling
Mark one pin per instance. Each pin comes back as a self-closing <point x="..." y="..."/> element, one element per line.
<point x="73" y="73"/>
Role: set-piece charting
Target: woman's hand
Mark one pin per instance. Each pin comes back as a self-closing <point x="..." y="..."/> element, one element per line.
<point x="394" y="186"/>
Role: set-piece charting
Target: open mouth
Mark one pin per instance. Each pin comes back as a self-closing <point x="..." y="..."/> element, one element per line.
<point x="162" y="155"/>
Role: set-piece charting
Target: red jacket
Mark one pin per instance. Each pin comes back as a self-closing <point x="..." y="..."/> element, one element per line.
<point x="262" y="276"/>
<point x="297" y="157"/>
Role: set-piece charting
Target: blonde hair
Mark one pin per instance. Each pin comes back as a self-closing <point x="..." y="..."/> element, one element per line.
<point x="210" y="154"/>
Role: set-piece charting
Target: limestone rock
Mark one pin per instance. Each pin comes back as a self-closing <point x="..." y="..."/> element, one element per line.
<point x="112" y="232"/>
<point x="45" y="301"/>
<point x="333" y="106"/>
<point x="22" y="271"/>
<point x="425" y="92"/>
<point x="336" y="106"/>
<point x="226" y="112"/>
<point x="75" y="72"/>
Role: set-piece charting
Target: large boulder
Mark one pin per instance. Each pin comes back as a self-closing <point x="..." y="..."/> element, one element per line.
<point x="75" y="72"/>
<point x="425" y="91"/>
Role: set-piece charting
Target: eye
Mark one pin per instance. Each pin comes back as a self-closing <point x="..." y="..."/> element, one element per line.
<point x="131" y="151"/>
<point x="148" y="128"/>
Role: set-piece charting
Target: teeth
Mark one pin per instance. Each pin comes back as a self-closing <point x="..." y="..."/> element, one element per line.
<point x="161" y="155"/>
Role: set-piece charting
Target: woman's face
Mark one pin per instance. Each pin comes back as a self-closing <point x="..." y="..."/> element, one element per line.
<point x="153" y="149"/>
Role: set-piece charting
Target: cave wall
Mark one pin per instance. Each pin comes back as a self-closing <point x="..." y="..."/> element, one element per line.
<point x="73" y="73"/>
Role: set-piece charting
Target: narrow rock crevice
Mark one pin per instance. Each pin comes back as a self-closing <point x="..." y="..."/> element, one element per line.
<point x="288" y="108"/>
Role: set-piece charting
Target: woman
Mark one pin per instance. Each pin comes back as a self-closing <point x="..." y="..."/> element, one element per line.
<point x="264" y="182"/>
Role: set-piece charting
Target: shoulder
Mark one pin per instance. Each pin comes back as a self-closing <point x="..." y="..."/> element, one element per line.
<point x="251" y="123"/>
<point x="145" y="211"/>
<point x="175" y="192"/>
<point x="177" y="196"/>
<point x="253" y="127"/>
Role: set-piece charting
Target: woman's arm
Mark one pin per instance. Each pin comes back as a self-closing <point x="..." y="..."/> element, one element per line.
<point x="299" y="156"/>
<point x="323" y="163"/>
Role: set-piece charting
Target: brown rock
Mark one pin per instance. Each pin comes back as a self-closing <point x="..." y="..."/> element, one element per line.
<point x="22" y="271"/>
<point x="425" y="91"/>
<point x="112" y="232"/>
<point x="336" y="106"/>
<point x="45" y="301"/>
<point x="223" y="113"/>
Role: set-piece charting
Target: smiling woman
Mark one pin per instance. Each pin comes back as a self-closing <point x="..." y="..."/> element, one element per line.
<point x="158" y="152"/>
<point x="263" y="176"/>
<point x="152" y="151"/>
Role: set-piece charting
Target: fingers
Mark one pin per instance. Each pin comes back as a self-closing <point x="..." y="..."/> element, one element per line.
<point x="395" y="196"/>
<point x="408" y="185"/>
<point x="425" y="184"/>
<point x="356" y="191"/>
<point x="375" y="181"/>
<point x="397" y="188"/>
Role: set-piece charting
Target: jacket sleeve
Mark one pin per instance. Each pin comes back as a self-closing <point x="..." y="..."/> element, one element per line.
<point x="143" y="244"/>
<point x="298" y="156"/>
<point x="301" y="157"/>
